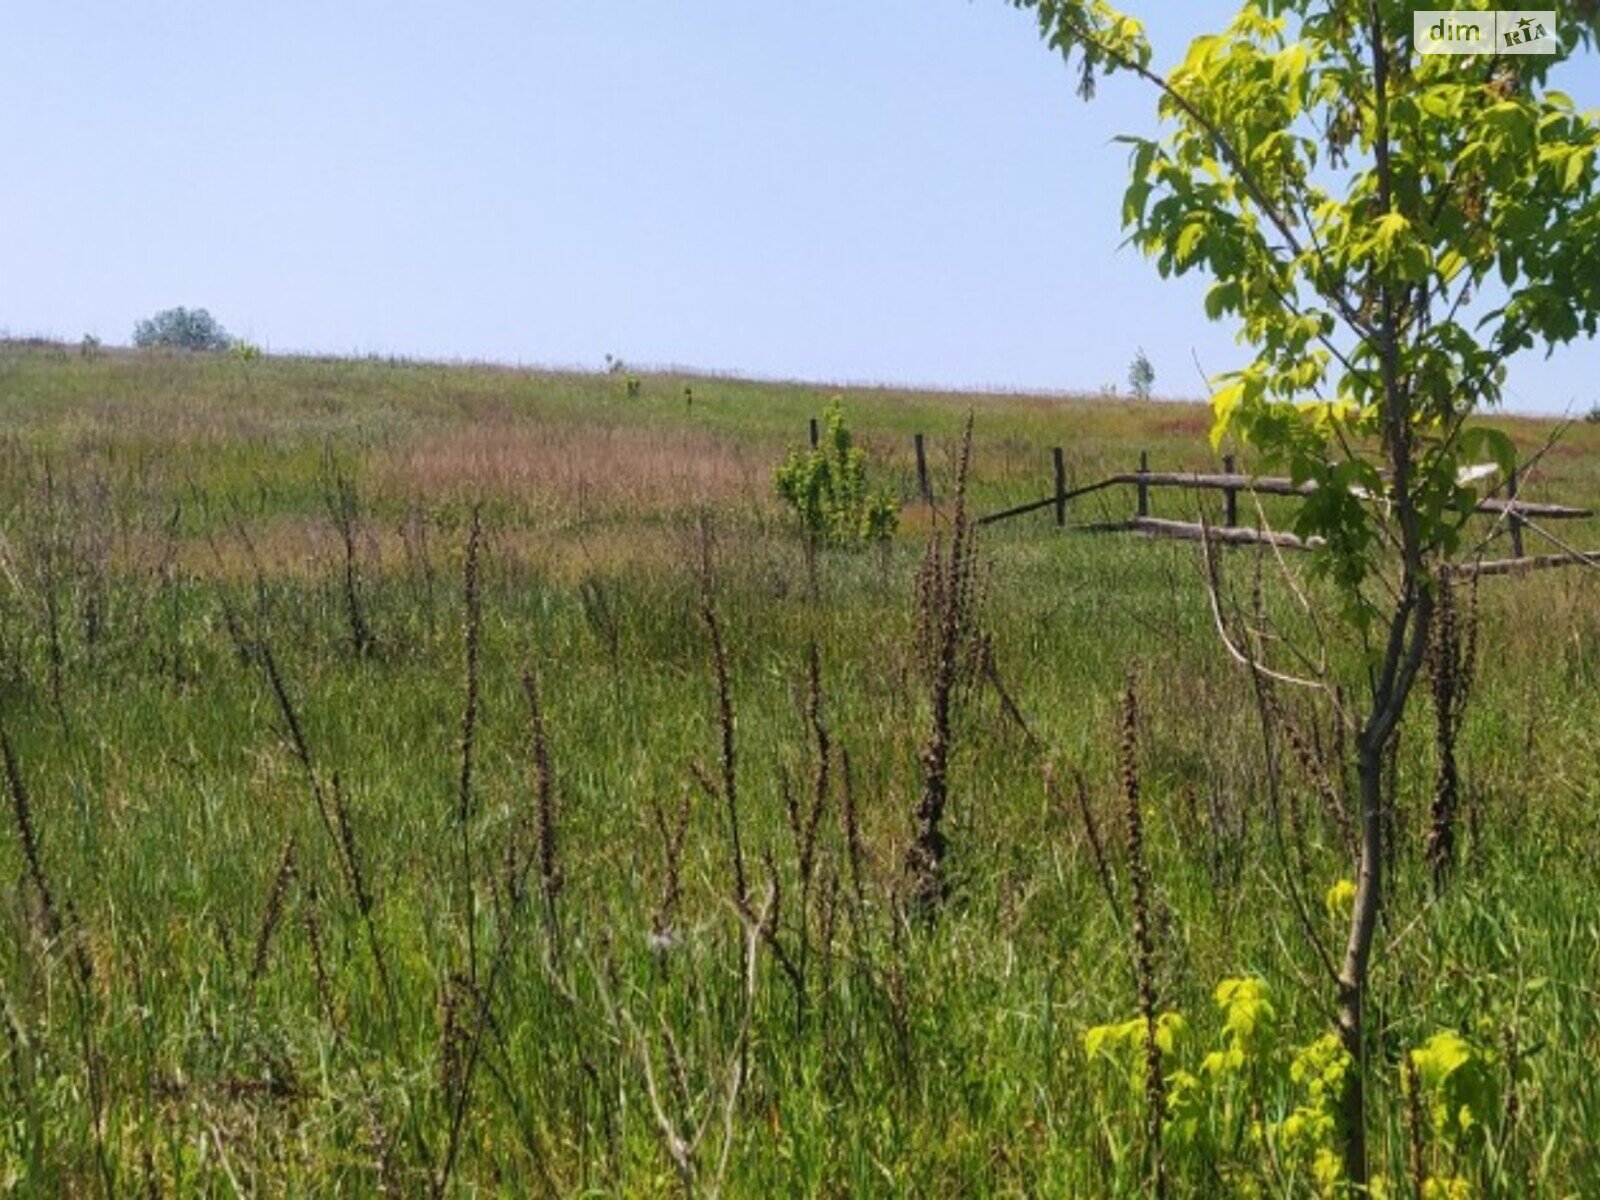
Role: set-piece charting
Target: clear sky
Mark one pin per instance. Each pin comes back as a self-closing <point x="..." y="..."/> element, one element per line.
<point x="846" y="190"/>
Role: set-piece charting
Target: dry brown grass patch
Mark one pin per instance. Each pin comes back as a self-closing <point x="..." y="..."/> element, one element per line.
<point x="576" y="468"/>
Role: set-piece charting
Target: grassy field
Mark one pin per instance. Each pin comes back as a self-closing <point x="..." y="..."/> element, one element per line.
<point x="342" y="858"/>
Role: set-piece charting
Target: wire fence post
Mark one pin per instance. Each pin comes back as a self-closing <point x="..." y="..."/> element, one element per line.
<point x="1230" y="496"/>
<point x="924" y="489"/>
<point x="1060" y="461"/>
<point x="1515" y="521"/>
<point x="1144" y="488"/>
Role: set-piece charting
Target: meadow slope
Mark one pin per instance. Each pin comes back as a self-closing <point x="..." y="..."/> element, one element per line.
<point x="331" y="865"/>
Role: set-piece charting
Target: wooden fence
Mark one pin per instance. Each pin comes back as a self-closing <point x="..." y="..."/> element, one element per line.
<point x="1516" y="512"/>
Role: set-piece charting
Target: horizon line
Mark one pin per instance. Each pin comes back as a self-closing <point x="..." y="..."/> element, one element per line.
<point x="689" y="371"/>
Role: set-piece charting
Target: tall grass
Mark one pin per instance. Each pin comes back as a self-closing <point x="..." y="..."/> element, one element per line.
<point x="587" y="873"/>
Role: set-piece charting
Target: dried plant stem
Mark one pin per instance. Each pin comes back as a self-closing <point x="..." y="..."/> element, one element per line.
<point x="945" y="591"/>
<point x="1155" y="1092"/>
<point x="81" y="973"/>
<point x="672" y="837"/>
<point x="684" y="1147"/>
<point x="22" y="817"/>
<point x="546" y="841"/>
<point x="469" y="731"/>
<point x="462" y="1043"/>
<point x="1091" y="829"/>
<point x="1414" y="1119"/>
<point x="345" y="510"/>
<point x="1451" y="663"/>
<point x="855" y="848"/>
<point x="727" y="788"/>
<point x="335" y="818"/>
<point x="272" y="914"/>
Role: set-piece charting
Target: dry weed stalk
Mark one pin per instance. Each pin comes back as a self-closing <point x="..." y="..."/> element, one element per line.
<point x="335" y="816"/>
<point x="805" y="826"/>
<point x="726" y="788"/>
<point x="546" y="843"/>
<point x="352" y="858"/>
<point x="48" y="555"/>
<point x="1452" y="662"/>
<point x="1296" y="868"/>
<point x="81" y="973"/>
<point x="1309" y="754"/>
<point x="1155" y="1089"/>
<point x="272" y="913"/>
<point x="455" y="997"/>
<point x="1091" y="829"/>
<point x="855" y="847"/>
<point x="344" y="511"/>
<point x="945" y="606"/>
<point x="473" y="602"/>
<point x="169" y="581"/>
<point x="684" y="1136"/>
<point x="319" y="960"/>
<point x="93" y="556"/>
<point x="1008" y="704"/>
<point x="599" y="612"/>
<point x="805" y="830"/>
<point x="419" y="559"/>
<point x="28" y="838"/>
<point x="463" y="1033"/>
<point x="673" y="836"/>
<point x="1416" y="1157"/>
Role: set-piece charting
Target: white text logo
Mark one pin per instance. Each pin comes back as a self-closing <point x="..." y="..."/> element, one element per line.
<point x="1514" y="31"/>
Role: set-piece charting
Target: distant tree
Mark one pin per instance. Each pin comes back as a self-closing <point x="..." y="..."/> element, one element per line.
<point x="1141" y="375"/>
<point x="181" y="329"/>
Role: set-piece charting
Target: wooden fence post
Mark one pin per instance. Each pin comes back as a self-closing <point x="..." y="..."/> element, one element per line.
<point x="1515" y="521"/>
<point x="1060" y="461"/>
<point x="923" y="487"/>
<point x="1144" y="488"/>
<point x="816" y="434"/>
<point x="1230" y="496"/>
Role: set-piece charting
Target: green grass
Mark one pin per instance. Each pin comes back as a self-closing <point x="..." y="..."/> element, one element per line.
<point x="918" y="1060"/>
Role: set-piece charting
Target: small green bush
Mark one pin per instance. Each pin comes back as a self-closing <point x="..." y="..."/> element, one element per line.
<point x="827" y="488"/>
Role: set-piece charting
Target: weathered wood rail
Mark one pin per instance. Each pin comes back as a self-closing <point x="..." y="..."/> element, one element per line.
<point x="1233" y="482"/>
<point x="1193" y="531"/>
<point x="1515" y="511"/>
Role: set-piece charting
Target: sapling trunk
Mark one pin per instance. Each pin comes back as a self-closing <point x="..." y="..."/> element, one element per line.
<point x="1358" y="955"/>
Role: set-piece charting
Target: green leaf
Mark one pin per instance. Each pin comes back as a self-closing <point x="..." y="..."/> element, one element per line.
<point x="1289" y="67"/>
<point x="1224" y="403"/>
<point x="1188" y="240"/>
<point x="1576" y="161"/>
<point x="1480" y="440"/>
<point x="1222" y="298"/>
<point x="1389" y="228"/>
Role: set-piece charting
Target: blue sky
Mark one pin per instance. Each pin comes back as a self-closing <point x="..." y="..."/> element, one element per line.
<point x="847" y="190"/>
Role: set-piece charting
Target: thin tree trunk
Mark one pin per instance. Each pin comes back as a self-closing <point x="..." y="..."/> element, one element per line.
<point x="1392" y="684"/>
<point x="1358" y="952"/>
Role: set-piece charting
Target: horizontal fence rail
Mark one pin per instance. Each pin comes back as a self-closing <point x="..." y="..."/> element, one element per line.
<point x="1518" y="514"/>
<point x="1265" y="485"/>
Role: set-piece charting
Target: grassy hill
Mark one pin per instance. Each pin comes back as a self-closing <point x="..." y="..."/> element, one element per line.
<point x="338" y="864"/>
